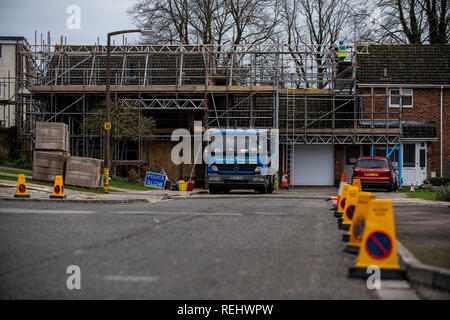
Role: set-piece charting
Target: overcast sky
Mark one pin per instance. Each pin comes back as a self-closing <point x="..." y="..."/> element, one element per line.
<point x="97" y="18"/>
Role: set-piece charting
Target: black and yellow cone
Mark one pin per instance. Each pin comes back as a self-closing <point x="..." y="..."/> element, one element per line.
<point x="58" y="189"/>
<point x="355" y="234"/>
<point x="22" y="191"/>
<point x="342" y="200"/>
<point x="350" y="208"/>
<point x="378" y="246"/>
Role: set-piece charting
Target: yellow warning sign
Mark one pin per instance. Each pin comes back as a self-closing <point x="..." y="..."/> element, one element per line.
<point x="378" y="246"/>
<point x="22" y="191"/>
<point x="357" y="183"/>
<point x="358" y="222"/>
<point x="58" y="188"/>
<point x="343" y="199"/>
<point x="107" y="125"/>
<point x="350" y="206"/>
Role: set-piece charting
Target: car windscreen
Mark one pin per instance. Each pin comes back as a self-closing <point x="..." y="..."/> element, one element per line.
<point x="372" y="164"/>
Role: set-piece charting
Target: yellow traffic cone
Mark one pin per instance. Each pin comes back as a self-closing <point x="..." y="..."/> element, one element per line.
<point x="58" y="189"/>
<point x="354" y="236"/>
<point x="350" y="208"/>
<point x="342" y="200"/>
<point x="378" y="246"/>
<point x="357" y="183"/>
<point x="22" y="191"/>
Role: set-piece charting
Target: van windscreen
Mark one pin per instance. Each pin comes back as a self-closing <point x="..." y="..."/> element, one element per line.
<point x="372" y="164"/>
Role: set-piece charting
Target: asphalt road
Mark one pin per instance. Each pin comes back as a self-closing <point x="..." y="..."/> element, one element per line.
<point x="245" y="247"/>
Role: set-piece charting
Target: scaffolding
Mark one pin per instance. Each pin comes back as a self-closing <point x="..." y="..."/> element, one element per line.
<point x="300" y="89"/>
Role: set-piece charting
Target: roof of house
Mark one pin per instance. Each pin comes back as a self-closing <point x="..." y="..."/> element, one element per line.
<point x="404" y="64"/>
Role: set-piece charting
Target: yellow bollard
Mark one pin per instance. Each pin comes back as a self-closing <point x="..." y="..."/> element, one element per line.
<point x="106" y="180"/>
<point x="350" y="208"/>
<point x="22" y="191"/>
<point x="378" y="246"/>
<point x="58" y="189"/>
<point x="357" y="183"/>
<point x="354" y="236"/>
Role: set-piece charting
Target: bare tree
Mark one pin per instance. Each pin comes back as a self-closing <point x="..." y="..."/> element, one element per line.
<point x="254" y="20"/>
<point x="206" y="21"/>
<point x="317" y="24"/>
<point x="168" y="20"/>
<point x="405" y="21"/>
<point x="438" y="16"/>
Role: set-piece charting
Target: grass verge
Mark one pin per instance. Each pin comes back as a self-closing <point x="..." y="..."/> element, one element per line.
<point x="29" y="180"/>
<point x="12" y="171"/>
<point x="419" y="193"/>
<point x="122" y="183"/>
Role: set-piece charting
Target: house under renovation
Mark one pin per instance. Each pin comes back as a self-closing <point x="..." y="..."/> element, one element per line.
<point x="381" y="100"/>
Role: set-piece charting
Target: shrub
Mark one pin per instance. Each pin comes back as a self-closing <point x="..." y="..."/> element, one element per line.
<point x="133" y="176"/>
<point x="443" y="193"/>
<point x="438" y="181"/>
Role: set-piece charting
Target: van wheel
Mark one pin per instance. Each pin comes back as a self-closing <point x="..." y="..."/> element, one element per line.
<point x="262" y="190"/>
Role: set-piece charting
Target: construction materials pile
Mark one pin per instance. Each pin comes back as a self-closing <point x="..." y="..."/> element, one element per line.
<point x="84" y="172"/>
<point x="52" y="158"/>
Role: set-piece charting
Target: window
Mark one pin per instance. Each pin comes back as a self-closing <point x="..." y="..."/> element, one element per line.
<point x="351" y="154"/>
<point x="400" y="96"/>
<point x="372" y="164"/>
<point x="422" y="158"/>
<point x="1" y="91"/>
<point x="409" y="155"/>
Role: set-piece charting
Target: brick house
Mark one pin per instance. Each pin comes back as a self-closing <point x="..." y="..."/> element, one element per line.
<point x="407" y="87"/>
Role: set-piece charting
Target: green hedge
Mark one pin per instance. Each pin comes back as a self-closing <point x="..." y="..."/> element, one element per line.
<point x="438" y="181"/>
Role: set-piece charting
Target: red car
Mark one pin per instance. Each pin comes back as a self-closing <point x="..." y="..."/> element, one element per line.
<point x="375" y="172"/>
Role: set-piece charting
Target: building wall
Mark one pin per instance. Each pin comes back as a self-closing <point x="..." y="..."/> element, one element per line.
<point x="8" y="83"/>
<point x="426" y="107"/>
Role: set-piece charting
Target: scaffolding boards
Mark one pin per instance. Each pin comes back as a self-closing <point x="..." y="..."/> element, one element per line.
<point x="301" y="89"/>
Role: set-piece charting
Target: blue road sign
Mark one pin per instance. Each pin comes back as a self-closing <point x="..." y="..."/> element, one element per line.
<point x="157" y="180"/>
<point x="379" y="245"/>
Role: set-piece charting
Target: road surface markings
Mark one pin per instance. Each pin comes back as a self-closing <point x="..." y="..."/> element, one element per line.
<point x="25" y="210"/>
<point x="131" y="278"/>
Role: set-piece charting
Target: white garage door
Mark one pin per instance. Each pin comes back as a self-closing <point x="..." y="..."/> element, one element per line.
<point x="313" y="165"/>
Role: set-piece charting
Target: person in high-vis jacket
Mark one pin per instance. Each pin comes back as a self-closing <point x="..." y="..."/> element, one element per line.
<point x="341" y="51"/>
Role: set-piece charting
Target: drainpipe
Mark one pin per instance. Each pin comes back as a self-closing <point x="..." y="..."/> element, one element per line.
<point x="441" y="131"/>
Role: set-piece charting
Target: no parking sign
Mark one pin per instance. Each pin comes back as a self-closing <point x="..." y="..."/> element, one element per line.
<point x="379" y="245"/>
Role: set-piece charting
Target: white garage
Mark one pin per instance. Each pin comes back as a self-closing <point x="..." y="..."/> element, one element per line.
<point x="312" y="165"/>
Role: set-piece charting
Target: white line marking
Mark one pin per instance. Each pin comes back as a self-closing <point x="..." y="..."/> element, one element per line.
<point x="23" y="210"/>
<point x="131" y="278"/>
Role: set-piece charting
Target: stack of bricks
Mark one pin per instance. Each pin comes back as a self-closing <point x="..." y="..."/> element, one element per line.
<point x="84" y="172"/>
<point x="52" y="158"/>
<point x="51" y="150"/>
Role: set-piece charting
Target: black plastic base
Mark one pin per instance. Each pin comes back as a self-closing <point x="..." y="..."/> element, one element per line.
<point x="345" y="227"/>
<point x="21" y="196"/>
<point x="338" y="214"/>
<point x="339" y="221"/>
<point x="351" y="249"/>
<point x="346" y="237"/>
<point x="387" y="274"/>
<point x="57" y="197"/>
